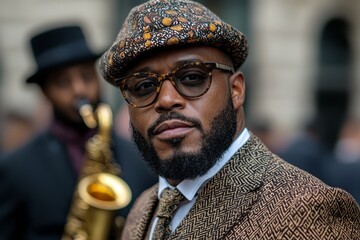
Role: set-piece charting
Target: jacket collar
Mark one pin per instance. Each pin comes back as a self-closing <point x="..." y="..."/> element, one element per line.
<point x="146" y="211"/>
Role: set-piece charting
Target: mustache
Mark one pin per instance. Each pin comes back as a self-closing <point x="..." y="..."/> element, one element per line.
<point x="173" y="115"/>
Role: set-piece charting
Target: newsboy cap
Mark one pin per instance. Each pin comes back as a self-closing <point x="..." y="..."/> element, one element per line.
<point x="163" y="23"/>
<point x="59" y="47"/>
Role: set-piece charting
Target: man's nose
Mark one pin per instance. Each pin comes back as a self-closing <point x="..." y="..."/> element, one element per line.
<point x="168" y="97"/>
<point x="78" y="85"/>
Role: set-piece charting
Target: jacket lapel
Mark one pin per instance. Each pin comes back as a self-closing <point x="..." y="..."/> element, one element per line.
<point x="227" y="197"/>
<point x="145" y="210"/>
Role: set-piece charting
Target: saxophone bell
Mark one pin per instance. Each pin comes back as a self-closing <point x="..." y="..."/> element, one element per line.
<point x="102" y="190"/>
<point x="104" y="193"/>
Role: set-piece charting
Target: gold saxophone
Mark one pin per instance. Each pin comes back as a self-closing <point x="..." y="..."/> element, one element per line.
<point x="99" y="192"/>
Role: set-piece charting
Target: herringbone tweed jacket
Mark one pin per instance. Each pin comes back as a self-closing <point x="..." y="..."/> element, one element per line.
<point x="258" y="196"/>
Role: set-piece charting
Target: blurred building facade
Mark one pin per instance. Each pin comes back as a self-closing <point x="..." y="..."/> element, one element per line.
<point x="303" y="62"/>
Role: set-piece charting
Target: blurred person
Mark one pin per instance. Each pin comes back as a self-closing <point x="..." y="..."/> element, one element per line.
<point x="38" y="180"/>
<point x="344" y="172"/>
<point x="347" y="147"/>
<point x="17" y="128"/>
<point x="264" y="130"/>
<point x="345" y="176"/>
<point x="176" y="65"/>
<point x="307" y="150"/>
<point x="19" y="122"/>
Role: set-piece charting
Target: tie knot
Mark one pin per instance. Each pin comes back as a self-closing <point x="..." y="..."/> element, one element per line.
<point x="169" y="201"/>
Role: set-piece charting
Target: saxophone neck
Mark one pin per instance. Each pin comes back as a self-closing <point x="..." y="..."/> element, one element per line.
<point x="101" y="117"/>
<point x="87" y="113"/>
<point x="104" y="119"/>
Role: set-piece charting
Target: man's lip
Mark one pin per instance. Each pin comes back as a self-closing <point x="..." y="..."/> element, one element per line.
<point x="171" y="124"/>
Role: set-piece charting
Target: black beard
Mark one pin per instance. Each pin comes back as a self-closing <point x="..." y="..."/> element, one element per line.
<point x="191" y="165"/>
<point x="79" y="126"/>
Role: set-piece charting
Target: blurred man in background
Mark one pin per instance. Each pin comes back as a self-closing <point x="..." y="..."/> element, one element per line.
<point x="38" y="180"/>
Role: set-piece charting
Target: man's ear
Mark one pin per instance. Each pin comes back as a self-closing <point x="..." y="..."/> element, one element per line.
<point x="237" y="85"/>
<point x="43" y="89"/>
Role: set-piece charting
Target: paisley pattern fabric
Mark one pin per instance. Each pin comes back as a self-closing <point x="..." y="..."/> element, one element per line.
<point x="163" y="23"/>
<point x="168" y="204"/>
<point x="258" y="196"/>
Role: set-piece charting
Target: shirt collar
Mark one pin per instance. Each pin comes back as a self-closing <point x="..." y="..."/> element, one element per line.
<point x="189" y="187"/>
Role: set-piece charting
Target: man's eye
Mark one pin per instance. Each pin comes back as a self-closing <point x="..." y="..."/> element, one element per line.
<point x="192" y="78"/>
<point x="144" y="87"/>
<point x="62" y="82"/>
<point x="88" y="76"/>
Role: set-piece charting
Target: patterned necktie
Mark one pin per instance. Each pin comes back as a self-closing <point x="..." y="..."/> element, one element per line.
<point x="168" y="203"/>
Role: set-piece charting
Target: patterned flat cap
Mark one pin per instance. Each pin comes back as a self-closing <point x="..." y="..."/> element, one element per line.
<point x="163" y="23"/>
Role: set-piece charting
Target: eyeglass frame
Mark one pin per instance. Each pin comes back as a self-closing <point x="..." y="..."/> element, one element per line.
<point x="120" y="82"/>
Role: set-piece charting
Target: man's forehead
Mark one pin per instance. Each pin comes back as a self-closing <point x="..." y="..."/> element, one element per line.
<point x="67" y="71"/>
<point x="75" y="66"/>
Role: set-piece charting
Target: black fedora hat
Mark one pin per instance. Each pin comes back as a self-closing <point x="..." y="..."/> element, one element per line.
<point x="59" y="47"/>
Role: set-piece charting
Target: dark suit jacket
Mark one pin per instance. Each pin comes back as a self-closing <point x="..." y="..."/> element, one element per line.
<point x="37" y="184"/>
<point x="345" y="176"/>
<point x="258" y="196"/>
<point x="309" y="154"/>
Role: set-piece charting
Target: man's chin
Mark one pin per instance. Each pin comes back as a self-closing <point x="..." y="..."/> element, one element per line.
<point x="173" y="148"/>
<point x="176" y="153"/>
<point x="75" y="120"/>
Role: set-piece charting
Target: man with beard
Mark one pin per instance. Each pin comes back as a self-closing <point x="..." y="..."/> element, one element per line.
<point x="38" y="180"/>
<point x="175" y="63"/>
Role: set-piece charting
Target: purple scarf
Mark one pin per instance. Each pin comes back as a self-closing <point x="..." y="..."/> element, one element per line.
<point x="73" y="140"/>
